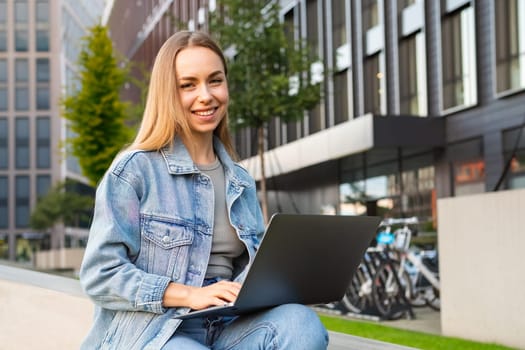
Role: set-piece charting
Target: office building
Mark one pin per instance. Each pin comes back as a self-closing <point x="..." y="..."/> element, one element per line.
<point x="421" y="100"/>
<point x="39" y="45"/>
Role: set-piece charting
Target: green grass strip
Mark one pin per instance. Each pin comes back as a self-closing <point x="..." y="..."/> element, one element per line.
<point x="403" y="337"/>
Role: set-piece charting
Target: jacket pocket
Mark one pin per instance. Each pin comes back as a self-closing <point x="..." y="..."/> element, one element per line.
<point x="165" y="246"/>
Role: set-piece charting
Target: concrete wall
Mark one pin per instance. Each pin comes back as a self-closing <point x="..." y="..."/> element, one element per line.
<point x="481" y="242"/>
<point x="56" y="259"/>
<point x="41" y="311"/>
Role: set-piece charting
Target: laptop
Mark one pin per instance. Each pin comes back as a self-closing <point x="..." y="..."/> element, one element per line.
<point x="304" y="259"/>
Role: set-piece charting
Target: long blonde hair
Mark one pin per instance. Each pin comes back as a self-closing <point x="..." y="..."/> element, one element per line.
<point x="164" y="117"/>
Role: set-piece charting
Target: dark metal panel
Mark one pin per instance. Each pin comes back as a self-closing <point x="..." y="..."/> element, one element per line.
<point x="391" y="56"/>
<point x="402" y="131"/>
<point x="432" y="32"/>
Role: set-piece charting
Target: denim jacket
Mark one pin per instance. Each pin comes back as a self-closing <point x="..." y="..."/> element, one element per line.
<point x="153" y="224"/>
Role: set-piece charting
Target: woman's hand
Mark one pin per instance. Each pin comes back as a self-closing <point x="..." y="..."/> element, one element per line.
<point x="196" y="298"/>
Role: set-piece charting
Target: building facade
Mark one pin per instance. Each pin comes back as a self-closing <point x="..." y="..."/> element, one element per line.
<point x="39" y="44"/>
<point x="421" y="100"/>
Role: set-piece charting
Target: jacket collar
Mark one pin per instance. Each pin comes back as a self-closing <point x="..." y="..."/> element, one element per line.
<point x="178" y="161"/>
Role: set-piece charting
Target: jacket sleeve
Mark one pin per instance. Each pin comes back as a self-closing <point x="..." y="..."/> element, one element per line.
<point x="107" y="274"/>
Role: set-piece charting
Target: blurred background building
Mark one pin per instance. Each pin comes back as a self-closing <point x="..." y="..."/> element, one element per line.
<point x="39" y="45"/>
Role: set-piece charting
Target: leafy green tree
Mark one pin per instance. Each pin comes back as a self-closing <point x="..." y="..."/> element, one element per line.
<point x="95" y="111"/>
<point x="60" y="206"/>
<point x="268" y="74"/>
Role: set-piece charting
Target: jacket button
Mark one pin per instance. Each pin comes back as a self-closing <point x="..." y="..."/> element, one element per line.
<point x="165" y="239"/>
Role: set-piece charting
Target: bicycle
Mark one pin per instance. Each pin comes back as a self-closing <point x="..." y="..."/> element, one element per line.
<point x="406" y="275"/>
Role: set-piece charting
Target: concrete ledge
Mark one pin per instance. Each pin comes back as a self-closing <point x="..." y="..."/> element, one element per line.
<point x="41" y="311"/>
<point x="48" y="312"/>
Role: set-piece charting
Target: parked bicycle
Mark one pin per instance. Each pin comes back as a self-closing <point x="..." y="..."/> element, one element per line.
<point x="393" y="277"/>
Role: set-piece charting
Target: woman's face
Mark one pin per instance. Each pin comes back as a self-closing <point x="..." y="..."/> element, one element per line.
<point x="203" y="89"/>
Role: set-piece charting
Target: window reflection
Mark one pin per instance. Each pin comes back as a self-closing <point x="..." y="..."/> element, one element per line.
<point x="22" y="201"/>
<point x="4" y="190"/>
<point x="459" y="59"/>
<point x="4" y="142"/>
<point x="375" y="98"/>
<point x="412" y="71"/>
<point x="43" y="143"/>
<point x="22" y="142"/>
<point x="510" y="45"/>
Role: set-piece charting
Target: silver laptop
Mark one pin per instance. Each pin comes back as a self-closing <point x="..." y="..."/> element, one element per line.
<point x="304" y="259"/>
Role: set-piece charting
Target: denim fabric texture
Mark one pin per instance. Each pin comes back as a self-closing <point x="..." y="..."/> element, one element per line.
<point x="285" y="327"/>
<point x="153" y="224"/>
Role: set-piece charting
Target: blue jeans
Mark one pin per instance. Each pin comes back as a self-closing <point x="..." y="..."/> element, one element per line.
<point x="289" y="326"/>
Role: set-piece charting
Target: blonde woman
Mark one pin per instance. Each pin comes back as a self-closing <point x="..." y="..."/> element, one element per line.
<point x="177" y="222"/>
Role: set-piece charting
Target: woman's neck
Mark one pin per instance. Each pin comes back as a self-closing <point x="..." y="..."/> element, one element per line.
<point x="200" y="149"/>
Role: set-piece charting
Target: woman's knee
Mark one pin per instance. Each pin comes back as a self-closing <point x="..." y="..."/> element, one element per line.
<point x="299" y="324"/>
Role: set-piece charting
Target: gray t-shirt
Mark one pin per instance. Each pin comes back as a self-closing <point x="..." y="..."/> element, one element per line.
<point x="225" y="244"/>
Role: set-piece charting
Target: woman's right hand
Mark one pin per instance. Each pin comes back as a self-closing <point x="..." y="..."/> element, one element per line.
<point x="196" y="298"/>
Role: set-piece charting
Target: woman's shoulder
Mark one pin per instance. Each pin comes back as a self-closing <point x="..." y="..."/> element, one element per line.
<point x="134" y="159"/>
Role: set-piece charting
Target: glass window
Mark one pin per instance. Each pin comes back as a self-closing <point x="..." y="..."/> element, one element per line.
<point x="4" y="142"/>
<point x="42" y="11"/>
<point x="3" y="98"/>
<point x="514" y="152"/>
<point x="459" y="59"/>
<point x="341" y="97"/>
<point x="22" y="98"/>
<point x="312" y="32"/>
<point x="3" y="40"/>
<point x="3" y="70"/>
<point x="370" y="14"/>
<point x="21" y="40"/>
<point x="510" y="45"/>
<point x="3" y="12"/>
<point x="312" y="26"/>
<point x="43" y="143"/>
<point x="21" y="12"/>
<point x="22" y="191"/>
<point x="42" y="26"/>
<point x="42" y="70"/>
<point x="412" y="75"/>
<point x="339" y="23"/>
<point x="43" y="183"/>
<point x="42" y="40"/>
<point x="375" y="99"/>
<point x="22" y="142"/>
<point x="42" y="98"/>
<point x="21" y="70"/>
<point x="3" y="27"/>
<point x="4" y="195"/>
<point x="469" y="177"/>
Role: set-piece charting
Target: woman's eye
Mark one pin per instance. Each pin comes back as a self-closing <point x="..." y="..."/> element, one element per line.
<point x="186" y="86"/>
<point x="216" y="81"/>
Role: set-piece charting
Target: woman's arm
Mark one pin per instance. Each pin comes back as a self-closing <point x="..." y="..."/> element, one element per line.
<point x="108" y="275"/>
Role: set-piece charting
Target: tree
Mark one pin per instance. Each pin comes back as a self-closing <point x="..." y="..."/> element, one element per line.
<point x="268" y="75"/>
<point x="95" y="111"/>
<point x="61" y="206"/>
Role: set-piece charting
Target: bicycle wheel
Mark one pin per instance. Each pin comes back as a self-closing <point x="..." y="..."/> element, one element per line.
<point x="356" y="299"/>
<point x="418" y="296"/>
<point x="386" y="291"/>
<point x="433" y="300"/>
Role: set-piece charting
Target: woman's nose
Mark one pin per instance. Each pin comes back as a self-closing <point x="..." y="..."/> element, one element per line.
<point x="205" y="94"/>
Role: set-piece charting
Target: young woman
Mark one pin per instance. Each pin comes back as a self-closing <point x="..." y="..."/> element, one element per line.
<point x="177" y="222"/>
